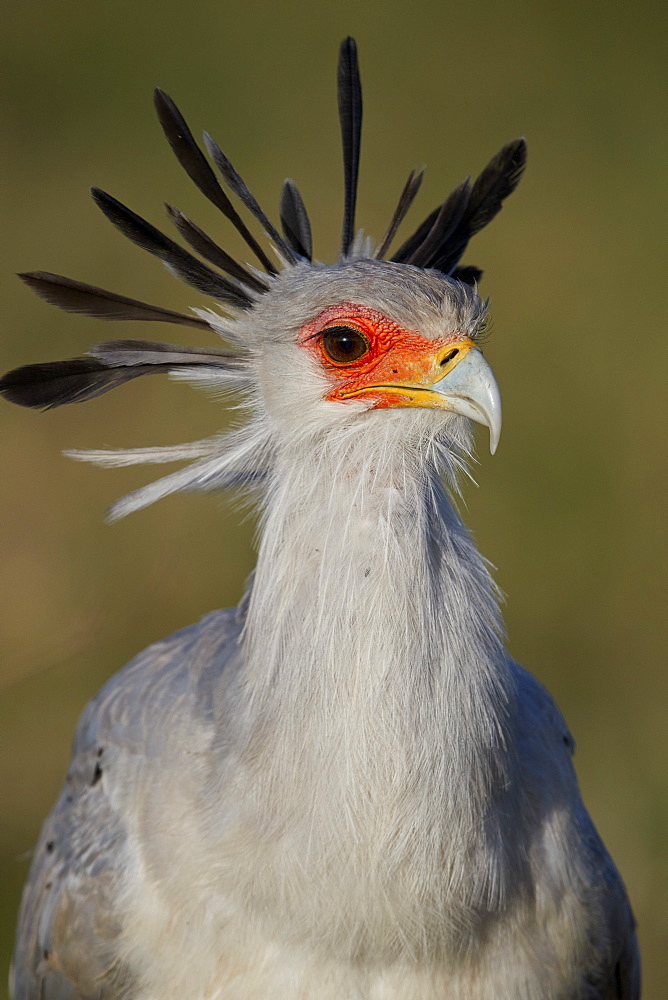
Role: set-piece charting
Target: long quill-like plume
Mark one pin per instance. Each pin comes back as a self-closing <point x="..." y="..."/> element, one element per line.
<point x="238" y="459"/>
<point x="295" y="220"/>
<point x="193" y="161"/>
<point x="350" y="116"/>
<point x="77" y="297"/>
<point x="45" y="386"/>
<point x="179" y="261"/>
<point x="207" y="248"/>
<point x="235" y="182"/>
<point x="406" y="199"/>
<point x="442" y="238"/>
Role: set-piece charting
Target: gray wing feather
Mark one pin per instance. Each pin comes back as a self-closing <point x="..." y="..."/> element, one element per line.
<point x="620" y="977"/>
<point x="613" y="967"/>
<point x="71" y="913"/>
<point x="67" y="929"/>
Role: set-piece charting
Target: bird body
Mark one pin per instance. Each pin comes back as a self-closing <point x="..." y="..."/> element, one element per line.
<point x="345" y="788"/>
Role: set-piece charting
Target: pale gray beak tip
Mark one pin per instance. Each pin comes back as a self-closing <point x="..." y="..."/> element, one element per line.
<point x="472" y="391"/>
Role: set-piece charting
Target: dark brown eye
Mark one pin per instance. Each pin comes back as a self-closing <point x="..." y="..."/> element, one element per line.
<point x="344" y="344"/>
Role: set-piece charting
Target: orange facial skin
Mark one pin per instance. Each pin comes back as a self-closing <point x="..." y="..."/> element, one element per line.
<point x="397" y="365"/>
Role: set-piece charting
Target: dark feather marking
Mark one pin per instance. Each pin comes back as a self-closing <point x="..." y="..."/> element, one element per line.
<point x="295" y="221"/>
<point x="411" y="188"/>
<point x="350" y="117"/>
<point x="210" y="250"/>
<point x="234" y="181"/>
<point x="187" y="267"/>
<point x="77" y="297"/>
<point x="44" y="386"/>
<point x="445" y="224"/>
<point x="193" y="161"/>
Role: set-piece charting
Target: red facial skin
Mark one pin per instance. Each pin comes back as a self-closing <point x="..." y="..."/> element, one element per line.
<point x="396" y="356"/>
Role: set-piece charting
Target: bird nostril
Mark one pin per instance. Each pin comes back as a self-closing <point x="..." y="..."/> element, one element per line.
<point x="449" y="356"/>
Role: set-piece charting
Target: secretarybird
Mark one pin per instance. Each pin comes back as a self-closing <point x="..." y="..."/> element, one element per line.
<point x="344" y="788"/>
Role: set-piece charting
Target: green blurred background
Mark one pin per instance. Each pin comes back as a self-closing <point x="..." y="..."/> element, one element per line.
<point x="569" y="509"/>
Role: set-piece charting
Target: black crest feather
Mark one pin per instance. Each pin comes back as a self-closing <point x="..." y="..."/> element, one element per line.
<point x="191" y="270"/>
<point x="295" y="221"/>
<point x="193" y="161"/>
<point x="45" y="386"/>
<point x="499" y="179"/>
<point x="409" y="246"/>
<point x="207" y="248"/>
<point x="445" y="224"/>
<point x="240" y="188"/>
<point x="350" y="116"/>
<point x="77" y="297"/>
<point x="406" y="199"/>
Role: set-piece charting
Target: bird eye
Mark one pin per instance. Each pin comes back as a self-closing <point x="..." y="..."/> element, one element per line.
<point x="344" y="344"/>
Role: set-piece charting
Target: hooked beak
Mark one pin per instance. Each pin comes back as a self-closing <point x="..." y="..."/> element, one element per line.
<point x="471" y="389"/>
<point x="455" y="378"/>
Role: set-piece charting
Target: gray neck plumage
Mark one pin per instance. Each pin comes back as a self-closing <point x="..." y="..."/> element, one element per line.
<point x="374" y="702"/>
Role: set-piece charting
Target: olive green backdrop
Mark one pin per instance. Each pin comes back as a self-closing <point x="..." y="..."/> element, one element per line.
<point x="569" y="510"/>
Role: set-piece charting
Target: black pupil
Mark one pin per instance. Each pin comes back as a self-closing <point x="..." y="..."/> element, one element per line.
<point x="344" y="343"/>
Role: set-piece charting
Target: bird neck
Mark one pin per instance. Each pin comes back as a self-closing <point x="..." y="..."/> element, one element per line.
<point x="367" y="732"/>
<point x="373" y="634"/>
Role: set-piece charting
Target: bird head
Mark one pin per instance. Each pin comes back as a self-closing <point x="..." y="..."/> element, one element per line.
<point x="370" y="335"/>
<point x="373" y="337"/>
